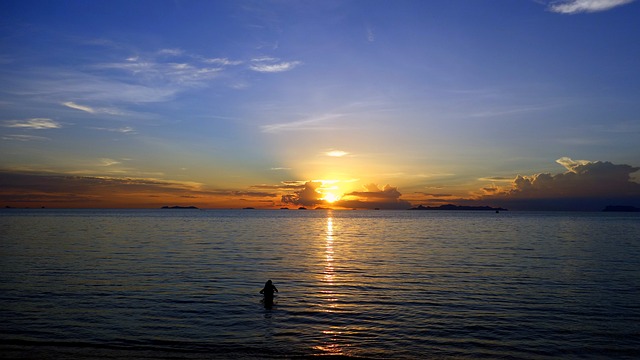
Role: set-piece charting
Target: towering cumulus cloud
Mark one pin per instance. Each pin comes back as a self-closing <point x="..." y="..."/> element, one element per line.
<point x="307" y="196"/>
<point x="370" y="198"/>
<point x="373" y="197"/>
<point x="586" y="185"/>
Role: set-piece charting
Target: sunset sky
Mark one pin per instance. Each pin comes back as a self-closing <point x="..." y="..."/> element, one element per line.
<point x="527" y="104"/>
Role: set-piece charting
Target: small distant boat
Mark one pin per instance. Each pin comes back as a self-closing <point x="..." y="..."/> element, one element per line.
<point x="302" y="208"/>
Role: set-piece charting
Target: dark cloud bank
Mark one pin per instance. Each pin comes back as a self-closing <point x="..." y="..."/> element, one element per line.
<point x="371" y="198"/>
<point x="58" y="190"/>
<point x="585" y="186"/>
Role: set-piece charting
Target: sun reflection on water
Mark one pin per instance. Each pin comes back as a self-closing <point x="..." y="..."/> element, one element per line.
<point x="331" y="343"/>
<point x="329" y="270"/>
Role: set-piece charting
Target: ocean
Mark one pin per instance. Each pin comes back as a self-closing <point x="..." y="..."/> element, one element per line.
<point x="184" y="284"/>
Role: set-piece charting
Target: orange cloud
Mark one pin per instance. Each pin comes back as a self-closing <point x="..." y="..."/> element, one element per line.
<point x="308" y="195"/>
<point x="374" y="197"/>
<point x="59" y="190"/>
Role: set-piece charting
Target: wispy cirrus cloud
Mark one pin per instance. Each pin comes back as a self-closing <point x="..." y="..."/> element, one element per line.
<point x="272" y="65"/>
<point x="34" y="123"/>
<point x="274" y="68"/>
<point x="306" y="124"/>
<point x="371" y="36"/>
<point x="171" y="52"/>
<point x="108" y="162"/>
<point x="51" y="85"/>
<point x="336" y="153"/>
<point x="128" y="79"/>
<point x="123" y="130"/>
<point x="151" y="72"/>
<point x="496" y="178"/>
<point x="17" y="137"/>
<point x="221" y="61"/>
<point x="94" y="110"/>
<point x="284" y="185"/>
<point x="585" y="6"/>
<point x="139" y="78"/>
<point x="71" y="104"/>
<point x="506" y="111"/>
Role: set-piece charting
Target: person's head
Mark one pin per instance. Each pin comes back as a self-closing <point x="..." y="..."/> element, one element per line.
<point x="268" y="282"/>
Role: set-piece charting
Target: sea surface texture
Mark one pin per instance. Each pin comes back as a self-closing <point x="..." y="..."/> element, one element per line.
<point x="358" y="284"/>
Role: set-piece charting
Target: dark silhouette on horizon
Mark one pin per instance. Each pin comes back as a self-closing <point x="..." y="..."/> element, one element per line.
<point x="621" y="208"/>
<point x="268" y="290"/>
<point x="457" y="207"/>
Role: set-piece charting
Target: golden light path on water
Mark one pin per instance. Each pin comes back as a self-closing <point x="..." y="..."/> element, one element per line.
<point x="330" y="345"/>
<point x="329" y="272"/>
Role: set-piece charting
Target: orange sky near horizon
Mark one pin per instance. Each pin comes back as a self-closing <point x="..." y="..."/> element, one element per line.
<point x="585" y="185"/>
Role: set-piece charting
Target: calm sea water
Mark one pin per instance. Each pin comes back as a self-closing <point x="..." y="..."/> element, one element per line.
<point x="362" y="284"/>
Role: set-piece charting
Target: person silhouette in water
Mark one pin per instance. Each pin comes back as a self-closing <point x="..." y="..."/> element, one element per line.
<point x="268" y="290"/>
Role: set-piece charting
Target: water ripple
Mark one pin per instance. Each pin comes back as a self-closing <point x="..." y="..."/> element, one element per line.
<point x="172" y="284"/>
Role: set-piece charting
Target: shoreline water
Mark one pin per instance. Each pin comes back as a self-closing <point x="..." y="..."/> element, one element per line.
<point x="358" y="284"/>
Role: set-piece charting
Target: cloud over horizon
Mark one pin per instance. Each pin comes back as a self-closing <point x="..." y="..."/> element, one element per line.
<point x="32" y="189"/>
<point x="306" y="196"/>
<point x="371" y="197"/>
<point x="586" y="185"/>
<point x="374" y="197"/>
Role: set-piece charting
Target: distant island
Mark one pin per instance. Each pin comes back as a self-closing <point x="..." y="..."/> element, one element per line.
<point x="179" y="207"/>
<point x="621" y="208"/>
<point x="457" y="207"/>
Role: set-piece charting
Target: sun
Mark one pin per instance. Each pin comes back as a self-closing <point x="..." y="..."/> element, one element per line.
<point x="330" y="198"/>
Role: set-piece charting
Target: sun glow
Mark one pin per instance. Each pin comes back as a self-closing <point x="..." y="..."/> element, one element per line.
<point x="330" y="198"/>
<point x="331" y="191"/>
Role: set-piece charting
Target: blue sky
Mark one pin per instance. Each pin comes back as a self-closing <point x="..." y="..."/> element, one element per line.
<point x="315" y="103"/>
